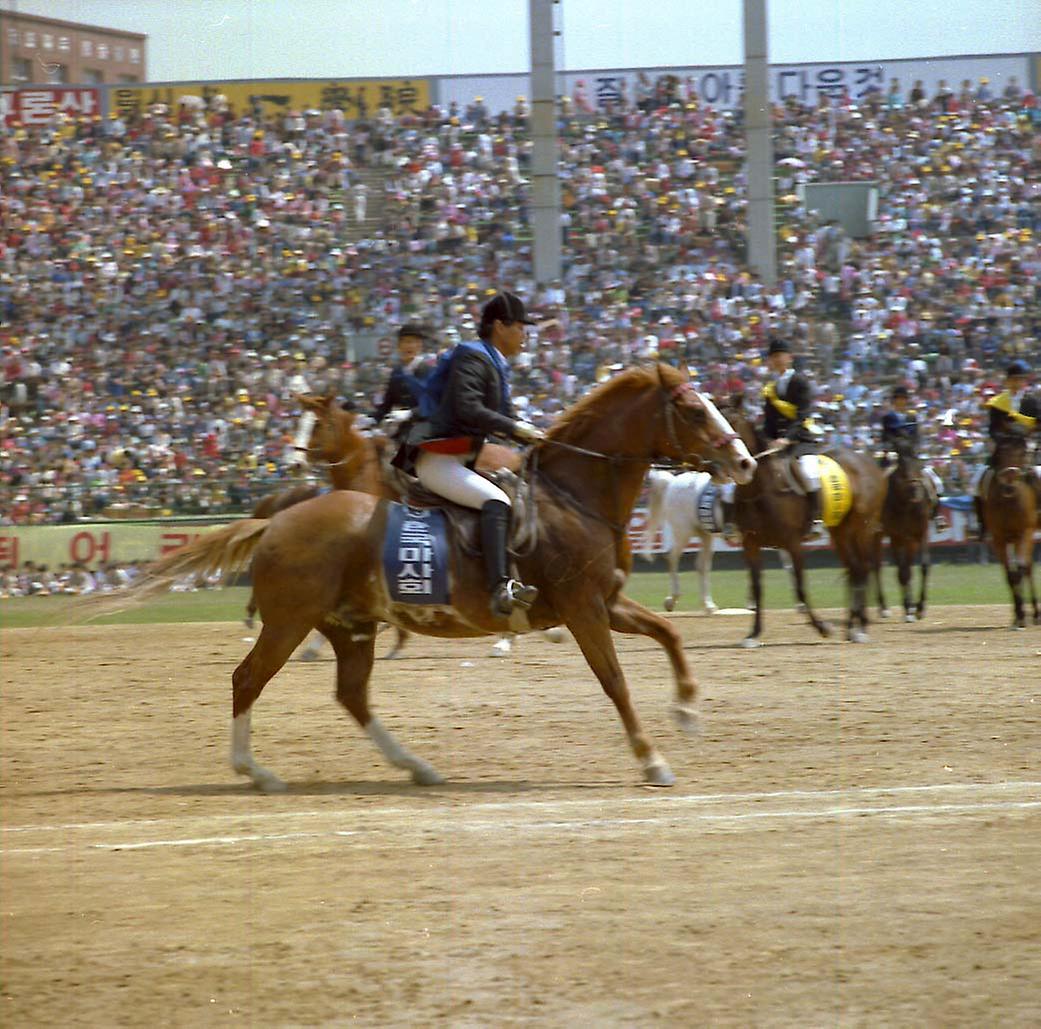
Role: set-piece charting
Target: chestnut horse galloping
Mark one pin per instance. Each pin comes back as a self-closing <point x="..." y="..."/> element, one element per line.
<point x="770" y="514"/>
<point x="1010" y="513"/>
<point x="317" y="564"/>
<point x="906" y="514"/>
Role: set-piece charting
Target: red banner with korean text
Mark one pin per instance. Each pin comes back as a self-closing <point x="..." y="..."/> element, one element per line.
<point x="39" y="104"/>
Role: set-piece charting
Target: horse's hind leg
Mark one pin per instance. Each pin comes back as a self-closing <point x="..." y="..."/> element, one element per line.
<point x="630" y="617"/>
<point x="355" y="650"/>
<point x="590" y="625"/>
<point x="401" y="635"/>
<point x="271" y="651"/>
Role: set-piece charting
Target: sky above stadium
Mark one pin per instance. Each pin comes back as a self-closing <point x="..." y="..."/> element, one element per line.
<point x="226" y="39"/>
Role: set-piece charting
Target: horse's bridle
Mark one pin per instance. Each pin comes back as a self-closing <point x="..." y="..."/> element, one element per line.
<point x="615" y="460"/>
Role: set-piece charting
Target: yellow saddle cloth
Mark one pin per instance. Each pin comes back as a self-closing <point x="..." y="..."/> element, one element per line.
<point x="836" y="496"/>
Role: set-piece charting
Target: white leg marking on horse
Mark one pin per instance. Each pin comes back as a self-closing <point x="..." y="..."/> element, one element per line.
<point x="423" y="774"/>
<point x="502" y="647"/>
<point x="656" y="771"/>
<point x="242" y="758"/>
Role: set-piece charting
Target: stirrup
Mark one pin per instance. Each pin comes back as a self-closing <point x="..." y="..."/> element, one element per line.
<point x="510" y="594"/>
<point x="816" y="530"/>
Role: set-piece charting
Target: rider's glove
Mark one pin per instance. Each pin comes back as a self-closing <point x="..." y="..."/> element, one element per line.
<point x="527" y="433"/>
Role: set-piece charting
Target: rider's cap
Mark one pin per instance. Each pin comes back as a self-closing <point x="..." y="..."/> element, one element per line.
<point x="505" y="307"/>
<point x="413" y="329"/>
<point x="901" y="391"/>
<point x="779" y="346"/>
<point x="1018" y="368"/>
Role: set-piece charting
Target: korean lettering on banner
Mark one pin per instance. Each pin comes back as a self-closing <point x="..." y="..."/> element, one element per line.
<point x="354" y="98"/>
<point x="808" y="85"/>
<point x="609" y="90"/>
<point x="415" y="554"/>
<point x="8" y="551"/>
<point x="39" y="106"/>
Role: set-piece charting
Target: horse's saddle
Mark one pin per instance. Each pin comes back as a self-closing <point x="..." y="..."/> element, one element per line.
<point x="433" y="524"/>
<point x="836" y="495"/>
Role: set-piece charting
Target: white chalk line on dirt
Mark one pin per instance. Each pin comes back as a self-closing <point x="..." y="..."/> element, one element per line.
<point x="572" y="825"/>
<point x="644" y="797"/>
<point x="446" y="820"/>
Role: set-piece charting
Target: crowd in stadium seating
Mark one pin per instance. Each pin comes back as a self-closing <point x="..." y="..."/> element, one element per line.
<point x="168" y="282"/>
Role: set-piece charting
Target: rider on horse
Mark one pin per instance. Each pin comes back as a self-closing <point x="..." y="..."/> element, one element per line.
<point x="787" y="400"/>
<point x="1013" y="412"/>
<point x="900" y="431"/>
<point x="476" y="402"/>
<point x="405" y="385"/>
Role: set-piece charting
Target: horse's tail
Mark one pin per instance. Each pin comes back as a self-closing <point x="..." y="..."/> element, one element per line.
<point x="227" y="550"/>
<point x="657" y="485"/>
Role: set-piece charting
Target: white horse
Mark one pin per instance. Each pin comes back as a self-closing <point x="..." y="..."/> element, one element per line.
<point x="689" y="504"/>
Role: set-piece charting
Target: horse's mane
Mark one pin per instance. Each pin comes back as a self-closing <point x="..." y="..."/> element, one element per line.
<point x="591" y="406"/>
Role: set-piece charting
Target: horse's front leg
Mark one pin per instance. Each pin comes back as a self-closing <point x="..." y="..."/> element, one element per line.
<point x="630" y="617"/>
<point x="705" y="571"/>
<point x="879" y="568"/>
<point x="798" y="560"/>
<point x="590" y="625"/>
<point x="673" y="559"/>
<point x="754" y="563"/>
<point x="1014" y="574"/>
<point x="923" y="567"/>
<point x="903" y="574"/>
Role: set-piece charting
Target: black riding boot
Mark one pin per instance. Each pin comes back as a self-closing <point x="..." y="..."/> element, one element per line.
<point x="814" y="524"/>
<point x="506" y="593"/>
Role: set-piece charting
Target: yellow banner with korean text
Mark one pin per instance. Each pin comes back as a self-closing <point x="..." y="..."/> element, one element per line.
<point x="357" y="98"/>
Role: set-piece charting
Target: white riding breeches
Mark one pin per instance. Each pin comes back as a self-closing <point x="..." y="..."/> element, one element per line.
<point x="726" y="492"/>
<point x="977" y="478"/>
<point x="810" y="470"/>
<point x="448" y="477"/>
<point x="934" y="479"/>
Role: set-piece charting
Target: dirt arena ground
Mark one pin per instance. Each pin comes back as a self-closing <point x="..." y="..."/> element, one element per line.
<point x="854" y="840"/>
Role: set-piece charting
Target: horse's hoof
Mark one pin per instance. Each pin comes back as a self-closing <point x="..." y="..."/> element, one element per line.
<point x="1019" y="627"/>
<point x="248" y="622"/>
<point x="308" y="655"/>
<point x="555" y="635"/>
<point x="825" y="630"/>
<point x="857" y="636"/>
<point x="710" y="608"/>
<point x="750" y="643"/>
<point x="392" y="655"/>
<point x="427" y="775"/>
<point x="670" y="603"/>
<point x="909" y="617"/>
<point x="884" y="612"/>
<point x="502" y="648"/>
<point x="686" y="716"/>
<point x="268" y="782"/>
<point x="659" y="775"/>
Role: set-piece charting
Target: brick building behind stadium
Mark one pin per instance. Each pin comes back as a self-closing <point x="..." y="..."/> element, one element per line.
<point x="36" y="51"/>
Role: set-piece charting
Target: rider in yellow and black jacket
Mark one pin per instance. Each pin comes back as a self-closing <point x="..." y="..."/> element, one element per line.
<point x="1011" y="412"/>
<point x="787" y="405"/>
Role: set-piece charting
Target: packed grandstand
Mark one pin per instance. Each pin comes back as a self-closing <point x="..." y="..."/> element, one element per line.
<point x="169" y="280"/>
